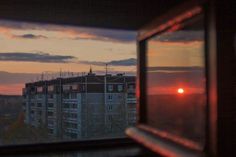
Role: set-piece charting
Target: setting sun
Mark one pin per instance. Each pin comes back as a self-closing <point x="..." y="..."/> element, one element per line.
<point x="180" y="91"/>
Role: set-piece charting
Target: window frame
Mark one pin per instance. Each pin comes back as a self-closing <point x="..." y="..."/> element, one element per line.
<point x="143" y="132"/>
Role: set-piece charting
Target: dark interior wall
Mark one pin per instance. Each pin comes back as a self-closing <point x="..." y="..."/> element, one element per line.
<point x="222" y="78"/>
<point x="226" y="74"/>
<point x="127" y="14"/>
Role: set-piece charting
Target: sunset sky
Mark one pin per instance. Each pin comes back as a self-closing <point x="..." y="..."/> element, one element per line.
<point x="28" y="49"/>
<point x="176" y="60"/>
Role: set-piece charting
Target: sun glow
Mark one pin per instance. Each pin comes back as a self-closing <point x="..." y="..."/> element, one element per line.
<point x="180" y="90"/>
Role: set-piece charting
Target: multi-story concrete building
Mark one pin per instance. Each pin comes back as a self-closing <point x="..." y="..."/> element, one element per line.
<point x="90" y="106"/>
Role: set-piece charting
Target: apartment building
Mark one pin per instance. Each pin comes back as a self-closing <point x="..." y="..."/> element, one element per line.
<point x="89" y="106"/>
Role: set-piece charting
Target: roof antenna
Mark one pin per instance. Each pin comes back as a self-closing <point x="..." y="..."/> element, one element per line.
<point x="42" y="76"/>
<point x="106" y="68"/>
<point x="60" y="73"/>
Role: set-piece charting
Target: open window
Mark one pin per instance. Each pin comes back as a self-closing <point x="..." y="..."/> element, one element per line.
<point x="65" y="83"/>
<point x="173" y="83"/>
<point x="185" y="88"/>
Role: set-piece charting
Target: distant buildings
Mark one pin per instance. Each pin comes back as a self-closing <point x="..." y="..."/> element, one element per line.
<point x="90" y="106"/>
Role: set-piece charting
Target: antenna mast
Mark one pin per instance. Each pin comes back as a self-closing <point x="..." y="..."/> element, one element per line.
<point x="106" y="68"/>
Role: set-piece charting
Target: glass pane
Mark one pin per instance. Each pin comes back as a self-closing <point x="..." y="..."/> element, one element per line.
<point x="60" y="82"/>
<point x="176" y="95"/>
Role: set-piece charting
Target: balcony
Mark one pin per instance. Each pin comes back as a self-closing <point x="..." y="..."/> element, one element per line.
<point x="131" y="100"/>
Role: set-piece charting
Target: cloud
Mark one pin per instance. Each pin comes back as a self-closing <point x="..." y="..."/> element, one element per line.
<point x="49" y="58"/>
<point x="103" y="72"/>
<point x="16" y="78"/>
<point x="123" y="62"/>
<point x="72" y="32"/>
<point x="187" y="78"/>
<point x="30" y="36"/>
<point x="110" y="35"/>
<point x="35" y="57"/>
<point x="181" y="36"/>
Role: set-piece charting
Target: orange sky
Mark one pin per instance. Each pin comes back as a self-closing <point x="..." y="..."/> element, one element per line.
<point x="176" y="51"/>
<point x="86" y="45"/>
<point x="12" y="89"/>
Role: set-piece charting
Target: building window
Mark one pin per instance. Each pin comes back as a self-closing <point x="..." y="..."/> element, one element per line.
<point x="50" y="96"/>
<point x="50" y="122"/>
<point x="70" y="125"/>
<point x="66" y="96"/>
<point x="73" y="135"/>
<point x="73" y="115"/>
<point x="66" y="87"/>
<point x="120" y="88"/>
<point x="74" y="87"/>
<point x="74" y="105"/>
<point x="110" y="117"/>
<point x="50" y="105"/>
<point x="65" y="105"/>
<point x="110" y="107"/>
<point x="131" y="95"/>
<point x="131" y="87"/>
<point x="51" y="88"/>
<point x="110" y="88"/>
<point x="39" y="89"/>
<point x="73" y="95"/>
<point x="109" y="97"/>
<point x="32" y="96"/>
<point x="39" y="104"/>
<point x="39" y="113"/>
<point x="50" y="113"/>
<point x="83" y="88"/>
<point x="39" y="96"/>
<point x="51" y="131"/>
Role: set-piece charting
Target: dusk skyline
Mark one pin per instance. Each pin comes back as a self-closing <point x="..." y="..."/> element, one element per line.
<point x="28" y="49"/>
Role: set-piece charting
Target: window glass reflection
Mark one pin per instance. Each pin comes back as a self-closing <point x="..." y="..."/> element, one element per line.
<point x="176" y="97"/>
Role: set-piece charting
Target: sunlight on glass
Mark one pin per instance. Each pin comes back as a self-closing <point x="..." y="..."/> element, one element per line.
<point x="176" y="66"/>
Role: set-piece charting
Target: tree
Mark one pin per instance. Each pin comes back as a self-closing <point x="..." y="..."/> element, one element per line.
<point x="19" y="133"/>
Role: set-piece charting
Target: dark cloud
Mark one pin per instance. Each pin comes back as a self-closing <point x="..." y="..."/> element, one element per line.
<point x="193" y="76"/>
<point x="123" y="62"/>
<point x="127" y="73"/>
<point x="181" y="36"/>
<point x="16" y="78"/>
<point x="35" y="57"/>
<point x="189" y="78"/>
<point x="96" y="33"/>
<point x="30" y="36"/>
<point x="111" y="35"/>
<point x="49" y="58"/>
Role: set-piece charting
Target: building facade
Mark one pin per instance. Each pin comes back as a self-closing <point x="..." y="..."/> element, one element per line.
<point x="83" y="107"/>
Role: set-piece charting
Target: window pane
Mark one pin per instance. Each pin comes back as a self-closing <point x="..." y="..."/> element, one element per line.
<point x="176" y="95"/>
<point x="60" y="82"/>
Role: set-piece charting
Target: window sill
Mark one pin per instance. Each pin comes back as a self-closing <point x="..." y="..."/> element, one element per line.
<point x="161" y="145"/>
<point x="64" y="146"/>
